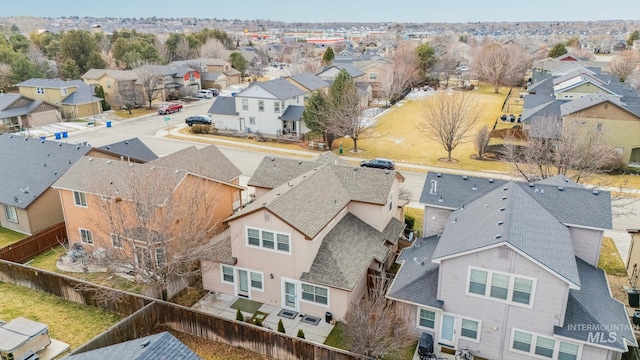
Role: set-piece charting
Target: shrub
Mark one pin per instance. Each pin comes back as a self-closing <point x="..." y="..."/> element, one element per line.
<point x="200" y="129"/>
<point x="300" y="333"/>
<point x="257" y="322"/>
<point x="239" y="315"/>
<point x="281" y="326"/>
<point x="410" y="221"/>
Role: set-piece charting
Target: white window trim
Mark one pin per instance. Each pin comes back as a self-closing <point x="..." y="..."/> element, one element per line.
<point x="487" y="290"/>
<point x="75" y="201"/>
<point x="373" y="76"/>
<point x="235" y="276"/>
<point x="89" y="232"/>
<point x="64" y="91"/>
<point x="261" y="280"/>
<point x="313" y="302"/>
<point x="13" y="211"/>
<point x="534" y="337"/>
<point x="275" y="240"/>
<point x="435" y="316"/>
<point x="261" y="105"/>
<point x="118" y="237"/>
<point x="276" y="107"/>
<point x="459" y="327"/>
<point x="233" y="273"/>
<point x="245" y="104"/>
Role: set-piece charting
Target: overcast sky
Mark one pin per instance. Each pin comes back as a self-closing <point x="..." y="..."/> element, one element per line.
<point x="336" y="10"/>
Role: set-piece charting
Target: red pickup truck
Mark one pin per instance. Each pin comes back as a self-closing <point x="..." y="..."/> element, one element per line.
<point x="170" y="108"/>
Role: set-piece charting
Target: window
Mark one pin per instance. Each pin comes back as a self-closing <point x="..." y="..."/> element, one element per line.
<point x="227" y="274"/>
<point x="108" y="84"/>
<point x="599" y="126"/>
<point x="521" y="341"/>
<point x="260" y="105"/>
<point x="568" y="351"/>
<point x="86" y="236"/>
<point x="159" y="257"/>
<point x="478" y="282"/>
<point x="40" y="91"/>
<point x="256" y="280"/>
<point x="64" y="91"/>
<point x="499" y="286"/>
<point x="502" y="286"/>
<point x="544" y="346"/>
<point x="80" y="198"/>
<point x="315" y="294"/>
<point x="245" y="104"/>
<point x="522" y="290"/>
<point x="252" y="121"/>
<point x="116" y="241"/>
<point x="276" y="106"/>
<point x="192" y="77"/>
<point x="373" y="76"/>
<point x="11" y="214"/>
<point x="427" y="318"/>
<point x="269" y="240"/>
<point x="469" y="329"/>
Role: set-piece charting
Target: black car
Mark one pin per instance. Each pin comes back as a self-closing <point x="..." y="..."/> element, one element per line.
<point x="198" y="119"/>
<point x="379" y="163"/>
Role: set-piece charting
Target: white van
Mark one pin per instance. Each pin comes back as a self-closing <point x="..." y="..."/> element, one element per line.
<point x="205" y="94"/>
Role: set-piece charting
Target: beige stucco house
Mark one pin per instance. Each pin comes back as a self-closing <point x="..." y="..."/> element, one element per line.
<point x="311" y="238"/>
<point x="112" y="81"/>
<point x="28" y="202"/>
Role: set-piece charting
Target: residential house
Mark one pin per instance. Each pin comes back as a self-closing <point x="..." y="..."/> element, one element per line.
<point x="18" y="113"/>
<point x="181" y="79"/>
<point x="30" y="166"/>
<point x="311" y="238"/>
<point x="509" y="269"/>
<point x="379" y="74"/>
<point x="157" y="346"/>
<point x="329" y="73"/>
<point x="308" y="83"/>
<point x="272" y="107"/>
<point x="75" y="98"/>
<point x="131" y="150"/>
<point x="141" y="209"/>
<point x="116" y="85"/>
<point x="223" y="67"/>
<point x="589" y="100"/>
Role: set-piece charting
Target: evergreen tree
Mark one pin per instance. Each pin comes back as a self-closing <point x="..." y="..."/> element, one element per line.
<point x="426" y="58"/>
<point x="558" y="50"/>
<point x="634" y="36"/>
<point x="239" y="315"/>
<point x="281" y="327"/>
<point x="300" y="333"/>
<point x="23" y="69"/>
<point x="238" y="62"/>
<point x="328" y="56"/>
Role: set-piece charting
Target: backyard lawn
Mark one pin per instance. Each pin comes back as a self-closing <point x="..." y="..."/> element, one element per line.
<point x="8" y="237"/>
<point x="68" y="322"/>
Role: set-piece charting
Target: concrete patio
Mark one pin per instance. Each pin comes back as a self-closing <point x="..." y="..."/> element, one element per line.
<point x="220" y="305"/>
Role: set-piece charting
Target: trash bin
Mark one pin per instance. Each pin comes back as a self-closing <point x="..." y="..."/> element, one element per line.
<point x="65" y="134"/>
<point x="108" y="123"/>
<point x="58" y="136"/>
<point x="328" y="317"/>
<point x="634" y="297"/>
<point x="43" y="138"/>
<point x="636" y="317"/>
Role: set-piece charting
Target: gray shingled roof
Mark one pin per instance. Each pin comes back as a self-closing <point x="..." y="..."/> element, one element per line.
<point x="328" y="157"/>
<point x="280" y="88"/>
<point x="417" y="280"/>
<point x="310" y="81"/>
<point x="210" y="76"/>
<point x="588" y="101"/>
<point x="592" y="310"/>
<point x="510" y="216"/>
<point x="162" y="346"/>
<point x="118" y="75"/>
<point x="559" y="180"/>
<point x="346" y="253"/>
<point x="292" y="113"/>
<point x="130" y="149"/>
<point x="274" y="171"/>
<point x="576" y="205"/>
<point x="209" y="162"/>
<point x="6" y="100"/>
<point x="51" y="83"/>
<point x="82" y="95"/>
<point x="120" y="179"/>
<point x="30" y="166"/>
<point x="353" y="71"/>
<point x="223" y="105"/>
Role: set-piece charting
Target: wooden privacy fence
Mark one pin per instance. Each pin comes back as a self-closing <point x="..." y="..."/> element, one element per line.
<point x="35" y="244"/>
<point x="144" y="315"/>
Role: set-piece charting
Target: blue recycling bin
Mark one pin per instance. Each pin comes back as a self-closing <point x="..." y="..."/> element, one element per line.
<point x="108" y="123"/>
<point x="65" y="134"/>
<point x="43" y="138"/>
<point x="58" y="136"/>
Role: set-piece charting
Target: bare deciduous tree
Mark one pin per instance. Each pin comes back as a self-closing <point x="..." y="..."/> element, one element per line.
<point x="375" y="326"/>
<point x="39" y="59"/>
<point x="448" y="118"/>
<point x="213" y="49"/>
<point x="127" y="96"/>
<point x="625" y="64"/>
<point x="344" y="109"/>
<point x="446" y="66"/>
<point x="149" y="81"/>
<point x="183" y="49"/>
<point x="501" y="64"/>
<point x="405" y="67"/>
<point x="5" y="77"/>
<point x="482" y="140"/>
<point x="561" y="147"/>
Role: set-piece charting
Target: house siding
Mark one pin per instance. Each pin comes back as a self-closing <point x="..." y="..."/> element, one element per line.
<point x="46" y="211"/>
<point x="22" y="226"/>
<point x="587" y="244"/>
<point x="434" y="220"/>
<point x="579" y="91"/>
<point x="548" y="304"/>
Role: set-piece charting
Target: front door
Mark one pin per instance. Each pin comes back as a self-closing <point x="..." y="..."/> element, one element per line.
<point x="243" y="283"/>
<point x="447" y="329"/>
<point x="241" y="124"/>
<point x="290" y="300"/>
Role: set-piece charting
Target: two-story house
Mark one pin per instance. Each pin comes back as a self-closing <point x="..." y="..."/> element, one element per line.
<point x="311" y="237"/>
<point x="18" y="113"/>
<point x="308" y="83"/>
<point x="182" y="79"/>
<point x="142" y="214"/>
<point x="116" y="84"/>
<point x="510" y="270"/>
<point x="272" y="107"/>
<point x="75" y="98"/>
<point x="29" y="167"/>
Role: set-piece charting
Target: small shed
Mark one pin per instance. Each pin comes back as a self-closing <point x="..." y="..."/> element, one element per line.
<point x="20" y="336"/>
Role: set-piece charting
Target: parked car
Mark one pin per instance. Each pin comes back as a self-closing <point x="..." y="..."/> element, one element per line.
<point x="170" y="108"/>
<point x="379" y="163"/>
<point x="214" y="91"/>
<point x="198" y="119"/>
<point x="205" y="94"/>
